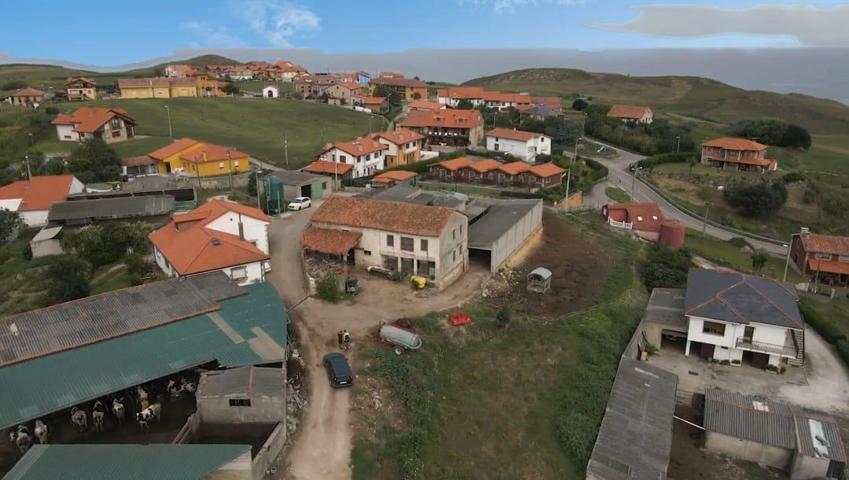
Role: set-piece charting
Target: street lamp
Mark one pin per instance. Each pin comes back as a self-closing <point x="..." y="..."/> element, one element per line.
<point x="170" y="130"/>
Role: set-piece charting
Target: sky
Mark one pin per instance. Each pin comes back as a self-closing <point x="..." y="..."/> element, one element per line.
<point x="109" y="33"/>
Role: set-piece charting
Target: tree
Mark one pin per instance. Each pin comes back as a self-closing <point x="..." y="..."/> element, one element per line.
<point x="417" y="96"/>
<point x="580" y="104"/>
<point x="108" y="243"/>
<point x="465" y="104"/>
<point x="10" y="225"/>
<point x="392" y="97"/>
<point x="13" y="85"/>
<point x="664" y="268"/>
<point x="252" y="185"/>
<point x="759" y="259"/>
<point x="757" y="199"/>
<point x="139" y="269"/>
<point x="157" y="72"/>
<point x="503" y="317"/>
<point x="231" y="89"/>
<point x="773" y="132"/>
<point x="69" y="279"/>
<point x="95" y="161"/>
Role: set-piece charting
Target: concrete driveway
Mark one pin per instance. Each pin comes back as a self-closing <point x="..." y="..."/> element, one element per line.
<point x="621" y="177"/>
<point x="321" y="448"/>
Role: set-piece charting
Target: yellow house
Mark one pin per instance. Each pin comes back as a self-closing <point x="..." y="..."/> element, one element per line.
<point x="198" y="158"/>
<point x="162" y="87"/>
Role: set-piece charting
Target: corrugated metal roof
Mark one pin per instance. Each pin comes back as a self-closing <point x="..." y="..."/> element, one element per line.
<point x="498" y="219"/>
<point x="247" y="330"/>
<point x="46" y="233"/>
<point x="242" y="381"/>
<point x="295" y="178"/>
<point x="111" y="208"/>
<point x="666" y="307"/>
<point x="635" y="438"/>
<point x="80" y="322"/>
<point x="127" y="462"/>
<point x="739" y="298"/>
<point x="818" y="433"/>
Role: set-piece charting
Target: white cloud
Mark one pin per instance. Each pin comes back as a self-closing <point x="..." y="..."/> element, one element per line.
<point x="510" y="6"/>
<point x="807" y="25"/>
<point x="209" y="35"/>
<point x="278" y="21"/>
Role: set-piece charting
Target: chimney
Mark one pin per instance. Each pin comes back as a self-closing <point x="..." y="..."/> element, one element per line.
<point x="204" y="155"/>
<point x="241" y="228"/>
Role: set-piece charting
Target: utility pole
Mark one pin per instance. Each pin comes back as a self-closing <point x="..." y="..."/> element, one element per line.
<point x="230" y="167"/>
<point x="574" y="159"/>
<point x="787" y="259"/>
<point x="634" y="180"/>
<point x="170" y="130"/>
<point x="286" y="149"/>
<point x="704" y="222"/>
<point x="26" y="157"/>
<point x="677" y="143"/>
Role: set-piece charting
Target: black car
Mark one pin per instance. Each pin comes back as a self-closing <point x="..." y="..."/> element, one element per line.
<point x="338" y="371"/>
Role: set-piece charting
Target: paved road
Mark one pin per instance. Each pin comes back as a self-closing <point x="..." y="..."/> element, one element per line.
<point x="620" y="176"/>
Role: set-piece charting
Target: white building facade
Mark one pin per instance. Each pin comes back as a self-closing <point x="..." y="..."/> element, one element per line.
<point x="366" y="161"/>
<point x="519" y="144"/>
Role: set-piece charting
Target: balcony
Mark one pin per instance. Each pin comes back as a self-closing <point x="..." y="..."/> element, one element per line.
<point x="786" y="350"/>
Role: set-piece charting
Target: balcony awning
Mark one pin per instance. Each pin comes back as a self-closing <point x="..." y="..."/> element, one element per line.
<point x="828" y="266"/>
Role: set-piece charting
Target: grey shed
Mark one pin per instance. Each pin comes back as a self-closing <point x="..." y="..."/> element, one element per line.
<point x="539" y="280"/>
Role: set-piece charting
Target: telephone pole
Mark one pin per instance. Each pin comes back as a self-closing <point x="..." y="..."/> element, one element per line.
<point x="230" y="167"/>
<point x="286" y="149"/>
<point x="170" y="130"/>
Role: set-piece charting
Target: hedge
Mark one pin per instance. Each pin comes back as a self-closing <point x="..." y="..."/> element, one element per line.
<point x="666" y="158"/>
<point x="825" y="326"/>
<point x="842" y="347"/>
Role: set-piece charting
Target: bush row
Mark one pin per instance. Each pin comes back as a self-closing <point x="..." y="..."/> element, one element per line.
<point x="662" y="158"/>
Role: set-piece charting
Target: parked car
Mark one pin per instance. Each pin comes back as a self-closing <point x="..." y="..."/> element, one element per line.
<point x="338" y="371"/>
<point x="300" y="203"/>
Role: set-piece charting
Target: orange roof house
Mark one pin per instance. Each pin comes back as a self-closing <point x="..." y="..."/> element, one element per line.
<point x="449" y="127"/>
<point x="108" y="124"/>
<point x="26" y="97"/>
<point x="32" y="198"/>
<point x="322" y="167"/>
<point x="426" y="105"/>
<point x="737" y="154"/>
<point x="514" y="168"/>
<point x="631" y="113"/>
<point x="190" y="156"/>
<point x="393" y="176"/>
<point x="218" y="235"/>
<point x="399" y="217"/>
<point x="484" y="166"/>
<point x="645" y="219"/>
<point x="513" y="134"/>
<point x="821" y="257"/>
<point x="454" y="164"/>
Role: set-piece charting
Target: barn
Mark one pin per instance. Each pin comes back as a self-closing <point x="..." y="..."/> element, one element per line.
<point x="92" y="347"/>
<point x="500" y="229"/>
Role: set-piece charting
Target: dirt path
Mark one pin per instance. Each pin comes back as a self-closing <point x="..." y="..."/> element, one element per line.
<point x="321" y="448"/>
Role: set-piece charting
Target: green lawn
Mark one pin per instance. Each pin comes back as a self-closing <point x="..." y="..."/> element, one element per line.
<point x="489" y="402"/>
<point x="725" y="254"/>
<point x="254" y="125"/>
<point x="617" y="194"/>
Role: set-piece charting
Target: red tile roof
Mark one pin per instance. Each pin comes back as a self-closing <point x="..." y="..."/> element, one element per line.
<point x="628" y="112"/>
<point x="817" y="243"/>
<point x="330" y="240"/>
<point x="514" y="168"/>
<point x="360" y="146"/>
<point x="325" y="167"/>
<point x="91" y="119"/>
<point x="85" y="80"/>
<point x="734" y="143"/>
<point x="399" y="136"/>
<point x="443" y="118"/>
<point x="208" y="152"/>
<point x="191" y="247"/>
<point x="484" y="166"/>
<point x="513" y="134"/>
<point x="369" y="100"/>
<point x="454" y="163"/>
<point x="398" y="217"/>
<point x="38" y="193"/>
<point x="425" y="105"/>
<point x="643" y="216"/>
<point x="462" y="93"/>
<point x="173" y="149"/>
<point x="507" y="97"/>
<point x="394" y="176"/>
<point x="829" y="266"/>
<point x="554" y="103"/>
<point x="138" y="161"/>
<point x="351" y="85"/>
<point x="546" y="170"/>
<point x="28" y="92"/>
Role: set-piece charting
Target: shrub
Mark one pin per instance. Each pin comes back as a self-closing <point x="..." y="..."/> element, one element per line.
<point x="139" y="269"/>
<point x="13" y="85"/>
<point x="580" y="104"/>
<point x="108" y="243"/>
<point x="95" y="161"/>
<point x="231" y="89"/>
<point x="51" y="111"/>
<point x="756" y="199"/>
<point x="825" y="326"/>
<point x="69" y="279"/>
<point x="664" y="268"/>
<point x="662" y="158"/>
<point x="793" y="177"/>
<point x="327" y="289"/>
<point x="739" y="242"/>
<point x="773" y="132"/>
<point x="10" y="225"/>
<point x="502" y="318"/>
<point x="759" y="259"/>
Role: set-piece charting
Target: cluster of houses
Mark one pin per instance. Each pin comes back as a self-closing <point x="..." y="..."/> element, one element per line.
<point x="488" y="171"/>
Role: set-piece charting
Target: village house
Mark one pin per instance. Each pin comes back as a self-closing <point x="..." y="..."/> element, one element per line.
<point x="404" y="146"/>
<point x="81" y="88"/>
<point x="372" y="104"/>
<point x="163" y="87"/>
<point x="554" y="104"/>
<point x="456" y="128"/>
<point x="743" y="318"/>
<point x="646" y="221"/>
<point x="178" y="70"/>
<point x="477" y="171"/>
<point x="823" y="258"/>
<point x="189" y="156"/>
<point x="27" y="97"/>
<point x="111" y="125"/>
<point x="406" y="88"/>
<point x="313" y="86"/>
<point x="345" y="91"/>
<point x="537" y="112"/>
<point x="804" y="443"/>
<point x="365" y="154"/>
<point x="631" y="114"/>
<point x="337" y="171"/>
<point x="405" y="237"/>
<point x="392" y="178"/>
<point x="737" y="154"/>
<point x="544" y="175"/>
<point x="507" y="174"/>
<point x="425" y="105"/>
<point x="518" y="143"/>
<point x="478" y="96"/>
<point x="32" y="198"/>
<point x="449" y="170"/>
<point x="287" y="71"/>
<point x="218" y="235"/>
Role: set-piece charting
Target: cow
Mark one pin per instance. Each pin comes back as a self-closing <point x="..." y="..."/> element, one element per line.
<point x="79" y="419"/>
<point x="98" y="413"/>
<point x="148" y="415"/>
<point x="21" y="438"/>
<point x="118" y="409"/>
<point x="41" y="432"/>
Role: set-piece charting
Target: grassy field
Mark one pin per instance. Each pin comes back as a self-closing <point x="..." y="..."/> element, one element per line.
<point x="491" y="402"/>
<point x="617" y="194"/>
<point x="726" y="254"/>
<point x="254" y="125"/>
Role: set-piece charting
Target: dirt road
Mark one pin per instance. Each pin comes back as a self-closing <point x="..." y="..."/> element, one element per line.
<point x="321" y="448"/>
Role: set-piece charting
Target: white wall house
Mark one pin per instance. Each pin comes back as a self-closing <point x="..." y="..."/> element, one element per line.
<point x="365" y="155"/>
<point x="413" y="239"/>
<point x="518" y="143"/>
<point x="735" y="317"/>
<point x="270" y="92"/>
<point x="218" y="235"/>
<point x="32" y="198"/>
